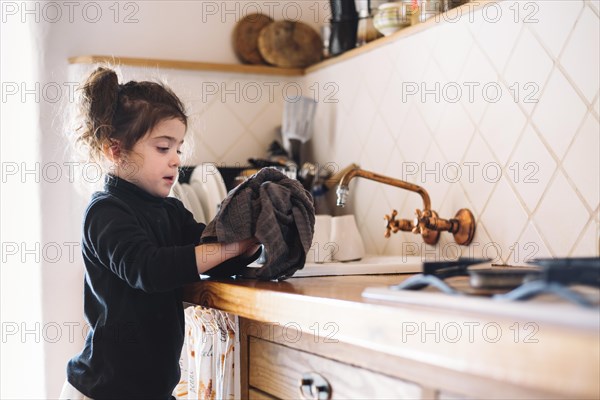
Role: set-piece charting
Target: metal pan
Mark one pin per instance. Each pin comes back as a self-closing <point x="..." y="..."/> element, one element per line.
<point x="501" y="278"/>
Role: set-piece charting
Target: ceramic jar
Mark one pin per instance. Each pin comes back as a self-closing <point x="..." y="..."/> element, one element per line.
<point x="391" y="17"/>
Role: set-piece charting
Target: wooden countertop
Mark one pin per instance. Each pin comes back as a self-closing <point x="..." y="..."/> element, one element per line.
<point x="542" y="345"/>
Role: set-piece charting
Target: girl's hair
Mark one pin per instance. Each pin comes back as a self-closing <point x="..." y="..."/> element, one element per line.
<point x="122" y="114"/>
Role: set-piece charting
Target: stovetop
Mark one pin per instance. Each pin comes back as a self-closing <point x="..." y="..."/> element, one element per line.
<point x="576" y="280"/>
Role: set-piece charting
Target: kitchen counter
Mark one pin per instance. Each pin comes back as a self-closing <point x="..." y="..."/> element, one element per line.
<point x="473" y="346"/>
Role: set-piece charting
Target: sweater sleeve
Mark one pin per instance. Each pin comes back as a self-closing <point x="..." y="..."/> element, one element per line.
<point x="192" y="230"/>
<point x="115" y="238"/>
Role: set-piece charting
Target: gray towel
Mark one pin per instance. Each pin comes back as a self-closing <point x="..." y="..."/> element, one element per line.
<point x="275" y="209"/>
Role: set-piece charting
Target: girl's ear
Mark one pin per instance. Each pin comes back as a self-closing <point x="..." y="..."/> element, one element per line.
<point x="112" y="151"/>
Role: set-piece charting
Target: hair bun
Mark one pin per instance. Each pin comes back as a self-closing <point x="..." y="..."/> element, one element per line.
<point x="100" y="96"/>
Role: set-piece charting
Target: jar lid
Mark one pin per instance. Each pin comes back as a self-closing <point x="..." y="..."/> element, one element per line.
<point x="393" y="4"/>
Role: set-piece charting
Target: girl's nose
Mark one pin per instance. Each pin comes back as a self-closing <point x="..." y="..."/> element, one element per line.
<point x="176" y="160"/>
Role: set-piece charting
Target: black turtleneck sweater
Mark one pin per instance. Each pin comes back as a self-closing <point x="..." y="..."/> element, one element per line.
<point x="138" y="251"/>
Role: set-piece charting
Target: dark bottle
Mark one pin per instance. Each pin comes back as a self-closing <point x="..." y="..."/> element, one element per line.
<point x="344" y="26"/>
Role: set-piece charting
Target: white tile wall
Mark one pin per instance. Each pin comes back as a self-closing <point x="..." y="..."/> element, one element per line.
<point x="529" y="162"/>
<point x="497" y="112"/>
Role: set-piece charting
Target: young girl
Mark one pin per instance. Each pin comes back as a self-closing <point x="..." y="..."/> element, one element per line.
<point x="139" y="246"/>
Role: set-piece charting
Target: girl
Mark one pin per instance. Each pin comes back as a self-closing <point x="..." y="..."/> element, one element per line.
<point x="139" y="246"/>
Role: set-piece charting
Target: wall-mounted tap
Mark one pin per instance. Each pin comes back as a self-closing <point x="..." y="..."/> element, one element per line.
<point x="426" y="223"/>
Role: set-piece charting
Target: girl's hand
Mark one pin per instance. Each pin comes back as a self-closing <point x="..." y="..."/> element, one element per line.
<point x="252" y="247"/>
<point x="209" y="255"/>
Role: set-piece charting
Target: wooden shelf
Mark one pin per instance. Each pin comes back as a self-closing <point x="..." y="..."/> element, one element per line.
<point x="269" y="70"/>
<point x="187" y="65"/>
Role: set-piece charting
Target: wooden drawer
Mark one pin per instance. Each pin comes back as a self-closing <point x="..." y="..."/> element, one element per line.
<point x="277" y="370"/>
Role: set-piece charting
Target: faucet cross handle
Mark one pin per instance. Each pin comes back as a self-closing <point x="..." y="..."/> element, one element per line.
<point x="391" y="224"/>
<point x="394" y="225"/>
<point x="422" y="223"/>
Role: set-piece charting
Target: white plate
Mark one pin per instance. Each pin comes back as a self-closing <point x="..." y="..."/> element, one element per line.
<point x="212" y="181"/>
<point x="196" y="210"/>
<point x="178" y="193"/>
<point x="200" y="192"/>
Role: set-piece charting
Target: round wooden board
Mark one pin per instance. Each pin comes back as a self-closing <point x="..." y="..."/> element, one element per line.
<point x="290" y="44"/>
<point x="245" y="38"/>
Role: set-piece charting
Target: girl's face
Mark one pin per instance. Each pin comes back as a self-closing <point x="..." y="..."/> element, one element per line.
<point x="154" y="160"/>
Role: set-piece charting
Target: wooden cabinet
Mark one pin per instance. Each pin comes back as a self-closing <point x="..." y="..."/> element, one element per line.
<point x="281" y="371"/>
<point x="367" y="349"/>
<point x="277" y="361"/>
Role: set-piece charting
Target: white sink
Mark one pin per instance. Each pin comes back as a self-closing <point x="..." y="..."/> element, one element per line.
<point x="369" y="265"/>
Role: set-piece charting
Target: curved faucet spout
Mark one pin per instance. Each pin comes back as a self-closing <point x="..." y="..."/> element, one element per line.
<point x="342" y="190"/>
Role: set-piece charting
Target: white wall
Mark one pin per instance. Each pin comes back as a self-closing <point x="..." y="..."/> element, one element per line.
<point x="22" y="348"/>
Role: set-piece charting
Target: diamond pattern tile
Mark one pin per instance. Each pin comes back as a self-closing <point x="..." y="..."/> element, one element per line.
<point x="530" y="168"/>
<point x="504" y="217"/>
<point x="561" y="225"/>
<point x="266" y="126"/>
<point x="201" y="152"/>
<point x="248" y="98"/>
<point x="411" y="58"/>
<point x="555" y="21"/>
<point x="527" y="71"/>
<point x="378" y="82"/>
<point x="363" y="114"/>
<point x="584" y="44"/>
<point x="430" y="37"/>
<point x="559" y="113"/>
<point x="588" y="244"/>
<point x="497" y="33"/>
<point x="237" y="154"/>
<point x="372" y="123"/>
<point x="394" y="105"/>
<point x="412" y="202"/>
<point x="213" y="127"/>
<point x="582" y="162"/>
<point x="455" y="200"/>
<point x="529" y="246"/>
<point x="452" y="49"/>
<point x="374" y="222"/>
<point x="379" y="146"/>
<point x="432" y="99"/>
<point x="478" y="72"/>
<point x="343" y="78"/>
<point x="362" y="194"/>
<point x="482" y="246"/>
<point x="413" y="137"/>
<point x="454" y="133"/>
<point x="477" y="173"/>
<point x="500" y="132"/>
<point x="203" y="92"/>
<point x="395" y="169"/>
<point x="346" y="147"/>
<point x="436" y="176"/>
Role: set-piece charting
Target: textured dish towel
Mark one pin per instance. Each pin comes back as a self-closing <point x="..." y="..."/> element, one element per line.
<point x="275" y="209"/>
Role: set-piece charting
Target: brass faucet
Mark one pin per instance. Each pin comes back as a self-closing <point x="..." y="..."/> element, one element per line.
<point x="427" y="222"/>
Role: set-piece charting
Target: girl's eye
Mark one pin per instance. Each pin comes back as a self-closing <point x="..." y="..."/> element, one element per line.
<point x="179" y="152"/>
<point x="163" y="149"/>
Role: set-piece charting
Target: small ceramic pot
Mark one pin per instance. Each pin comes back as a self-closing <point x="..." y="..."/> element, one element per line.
<point x="391" y="17"/>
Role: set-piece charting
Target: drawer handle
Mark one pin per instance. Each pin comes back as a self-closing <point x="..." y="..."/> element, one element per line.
<point x="314" y="387"/>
